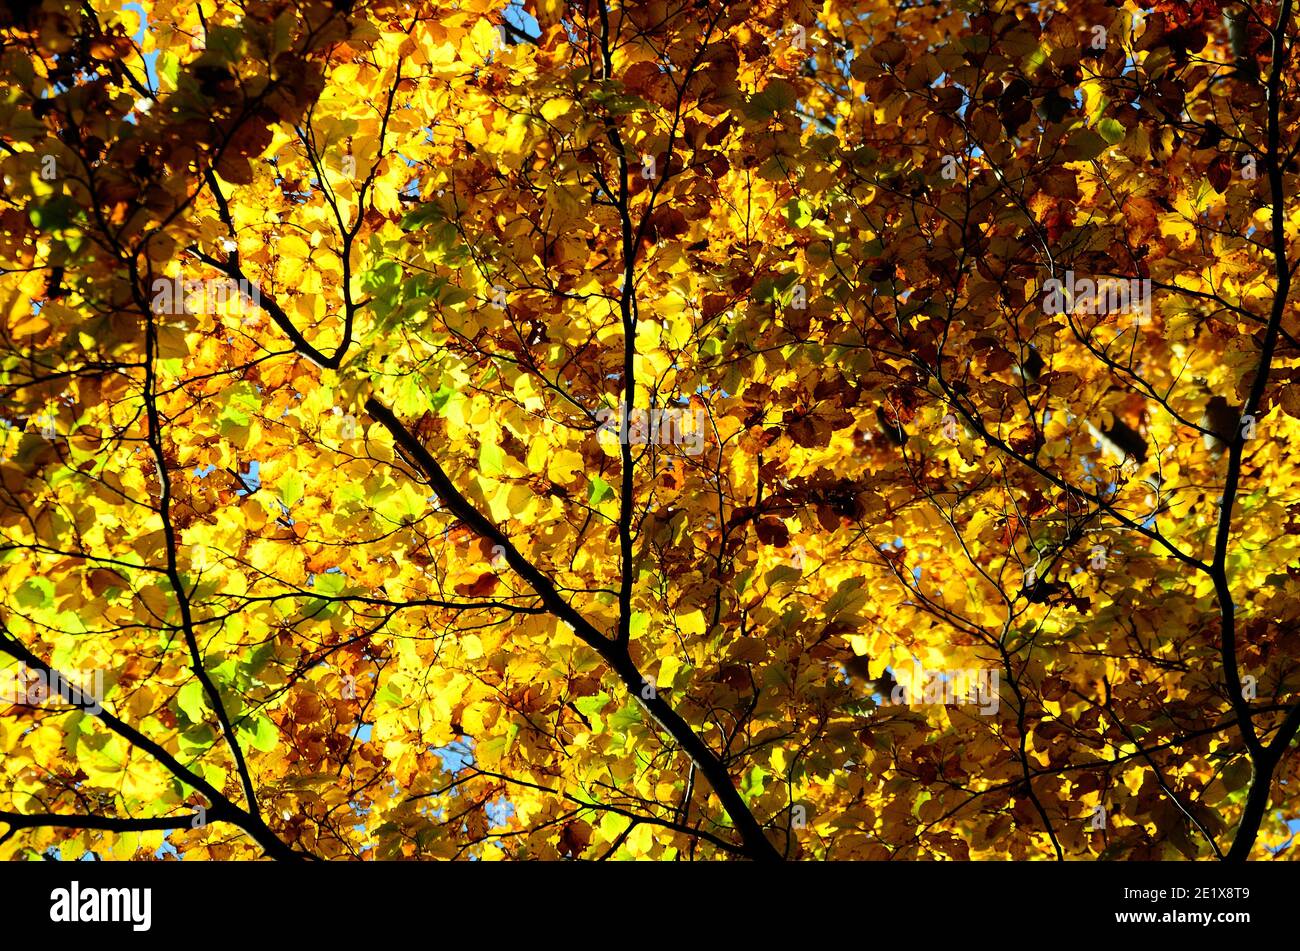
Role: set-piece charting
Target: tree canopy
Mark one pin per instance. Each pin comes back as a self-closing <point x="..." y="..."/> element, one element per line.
<point x="673" y="430"/>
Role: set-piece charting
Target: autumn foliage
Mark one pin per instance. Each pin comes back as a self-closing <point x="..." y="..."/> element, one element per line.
<point x="673" y="430"/>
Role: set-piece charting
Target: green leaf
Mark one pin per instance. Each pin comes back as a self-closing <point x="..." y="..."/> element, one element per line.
<point x="451" y="296"/>
<point x="55" y="214"/>
<point x="598" y="490"/>
<point x="1236" y="775"/>
<point x="169" y="66"/>
<point x="240" y="402"/>
<point x="781" y="574"/>
<point x="1083" y="145"/>
<point x="290" y="487"/>
<point x="263" y="735"/>
<point x="775" y="288"/>
<point x="226" y="40"/>
<point x="799" y="213"/>
<point x="383" y="278"/>
<point x="328" y="584"/>
<point x="36" y="593"/>
<point x="213" y="773"/>
<point x="423" y="215"/>
<point x="491" y="460"/>
<point x="402" y="504"/>
<point x="440" y="399"/>
<point x="592" y="705"/>
<point x="190" y="700"/>
<point x="490" y="751"/>
<point x="618" y="103"/>
<point x="777" y="97"/>
<point x="1112" y="130"/>
<point x="625" y="718"/>
<point x="253" y="662"/>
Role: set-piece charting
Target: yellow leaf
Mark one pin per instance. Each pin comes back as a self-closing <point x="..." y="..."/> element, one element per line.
<point x="564" y="466"/>
<point x="693" y="623"/>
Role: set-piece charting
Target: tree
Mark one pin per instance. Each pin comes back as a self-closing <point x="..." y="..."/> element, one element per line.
<point x="669" y="430"/>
